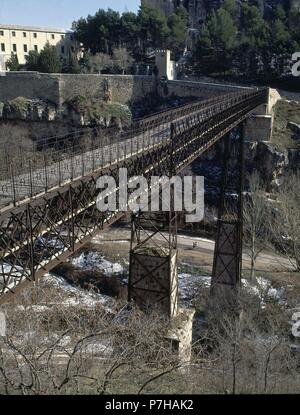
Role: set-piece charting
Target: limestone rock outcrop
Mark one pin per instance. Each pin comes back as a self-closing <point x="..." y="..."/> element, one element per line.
<point x="28" y="110"/>
<point x="271" y="164"/>
<point x="102" y="114"/>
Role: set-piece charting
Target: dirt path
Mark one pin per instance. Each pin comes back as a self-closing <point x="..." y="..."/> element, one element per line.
<point x="200" y="255"/>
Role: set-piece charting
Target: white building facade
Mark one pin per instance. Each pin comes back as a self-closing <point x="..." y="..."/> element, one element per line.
<point x="22" y="39"/>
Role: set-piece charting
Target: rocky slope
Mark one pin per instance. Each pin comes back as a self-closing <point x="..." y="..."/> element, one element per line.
<point x="272" y="165"/>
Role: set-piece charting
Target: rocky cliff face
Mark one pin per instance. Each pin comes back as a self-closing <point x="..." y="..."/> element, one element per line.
<point x="272" y="164"/>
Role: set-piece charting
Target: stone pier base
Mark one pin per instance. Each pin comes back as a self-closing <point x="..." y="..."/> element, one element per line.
<point x="258" y="128"/>
<point x="180" y="335"/>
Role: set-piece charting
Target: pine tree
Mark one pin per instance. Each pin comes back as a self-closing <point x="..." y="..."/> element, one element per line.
<point x="33" y="61"/>
<point x="85" y="63"/>
<point x="254" y="41"/>
<point x="178" y="24"/>
<point x="216" y="42"/>
<point x="72" y="65"/>
<point x="49" y="61"/>
<point x="154" y="27"/>
<point x="13" y="63"/>
<point x="231" y="7"/>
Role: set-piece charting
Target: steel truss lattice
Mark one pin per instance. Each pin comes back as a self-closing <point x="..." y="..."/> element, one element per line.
<point x="48" y="224"/>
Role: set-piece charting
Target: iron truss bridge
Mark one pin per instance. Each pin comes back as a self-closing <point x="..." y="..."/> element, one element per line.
<point x="48" y="193"/>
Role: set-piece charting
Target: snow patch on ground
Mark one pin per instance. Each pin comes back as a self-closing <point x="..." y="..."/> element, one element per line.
<point x="75" y="296"/>
<point x="53" y="242"/>
<point x="98" y="349"/>
<point x="264" y="289"/>
<point x="188" y="285"/>
<point x="89" y="261"/>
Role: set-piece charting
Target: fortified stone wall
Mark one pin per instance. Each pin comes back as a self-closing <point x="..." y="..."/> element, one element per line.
<point x="124" y="89"/>
<point x="197" y="89"/>
<point x="59" y="88"/>
<point x="31" y="85"/>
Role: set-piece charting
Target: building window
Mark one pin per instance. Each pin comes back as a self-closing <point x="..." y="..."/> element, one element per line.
<point x="53" y="37"/>
<point x="62" y="49"/>
<point x="25" y="48"/>
<point x="36" y="48"/>
<point x="1" y="33"/>
<point x="35" y="35"/>
<point x="72" y="49"/>
<point x="13" y="34"/>
<point x="62" y="36"/>
<point x="72" y="38"/>
<point x="24" y="34"/>
<point x="14" y="47"/>
<point x="2" y="47"/>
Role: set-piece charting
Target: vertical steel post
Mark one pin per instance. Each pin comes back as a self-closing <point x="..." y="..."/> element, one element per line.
<point x="46" y="173"/>
<point x="13" y="184"/>
<point x="31" y="243"/>
<point x="59" y="172"/>
<point x="30" y="179"/>
<point x="241" y="197"/>
<point x="72" y="227"/>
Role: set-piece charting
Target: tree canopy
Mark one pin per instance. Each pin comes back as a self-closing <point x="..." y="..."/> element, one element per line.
<point x="49" y="60"/>
<point x="13" y="63"/>
<point x="248" y="42"/>
<point x="108" y="30"/>
<point x="242" y="39"/>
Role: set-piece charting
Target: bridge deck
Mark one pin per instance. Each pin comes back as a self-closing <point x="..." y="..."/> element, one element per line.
<point x="151" y="132"/>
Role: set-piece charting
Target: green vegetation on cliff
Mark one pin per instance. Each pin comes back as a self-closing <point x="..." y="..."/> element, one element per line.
<point x="98" y="112"/>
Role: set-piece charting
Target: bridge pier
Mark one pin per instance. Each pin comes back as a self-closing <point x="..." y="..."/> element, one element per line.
<point x="227" y="266"/>
<point x="153" y="277"/>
